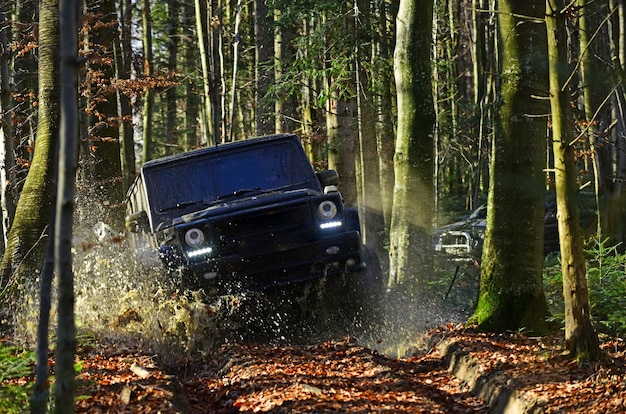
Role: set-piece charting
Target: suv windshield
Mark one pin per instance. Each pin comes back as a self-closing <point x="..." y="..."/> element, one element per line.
<point x="201" y="181"/>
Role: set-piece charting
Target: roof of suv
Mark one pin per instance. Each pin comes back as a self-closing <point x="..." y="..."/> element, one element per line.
<point x="227" y="146"/>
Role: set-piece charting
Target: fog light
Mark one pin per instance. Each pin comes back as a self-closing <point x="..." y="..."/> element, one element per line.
<point x="336" y="265"/>
<point x="331" y="224"/>
<point x="199" y="252"/>
<point x="332" y="250"/>
<point x="350" y="262"/>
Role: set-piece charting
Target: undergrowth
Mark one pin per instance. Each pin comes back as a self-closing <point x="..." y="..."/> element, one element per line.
<point x="15" y="385"/>
<point x="606" y="280"/>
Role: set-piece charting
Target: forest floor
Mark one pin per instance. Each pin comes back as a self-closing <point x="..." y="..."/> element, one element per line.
<point x="454" y="367"/>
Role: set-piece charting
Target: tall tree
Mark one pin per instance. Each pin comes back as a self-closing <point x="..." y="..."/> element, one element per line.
<point x="385" y="140"/>
<point x="285" y="105"/>
<point x="263" y="45"/>
<point x="411" y="221"/>
<point x="580" y="337"/>
<point x="24" y="85"/>
<point x="171" y="130"/>
<point x="7" y="158"/>
<point x="192" y="103"/>
<point x="148" y="72"/>
<point x="341" y="141"/>
<point x="588" y="88"/>
<point x="616" y="32"/>
<point x="101" y="162"/>
<point x="65" y="384"/>
<point x="235" y="65"/>
<point x="123" y="62"/>
<point x="202" y="30"/>
<point x="25" y="247"/>
<point x="511" y="285"/>
<point x="370" y="197"/>
<point x="339" y="101"/>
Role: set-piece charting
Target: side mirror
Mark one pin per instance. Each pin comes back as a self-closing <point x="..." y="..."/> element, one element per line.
<point x="328" y="178"/>
<point x="138" y="222"/>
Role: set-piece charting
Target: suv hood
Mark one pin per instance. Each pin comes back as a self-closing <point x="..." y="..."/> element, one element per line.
<point x="254" y="200"/>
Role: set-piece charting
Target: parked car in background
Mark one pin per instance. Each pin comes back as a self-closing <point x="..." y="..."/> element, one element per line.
<point x="464" y="239"/>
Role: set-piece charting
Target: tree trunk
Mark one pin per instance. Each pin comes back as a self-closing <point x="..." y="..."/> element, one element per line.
<point x="372" y="220"/>
<point x="203" y="46"/>
<point x="511" y="293"/>
<point x="171" y="123"/>
<point x="41" y="391"/>
<point x="123" y="62"/>
<point x="7" y="157"/>
<point x="148" y="72"/>
<point x="340" y="139"/>
<point x="65" y="384"/>
<point x="411" y="221"/>
<point x="580" y="337"/>
<point x="385" y="134"/>
<point x="589" y="88"/>
<point x="263" y="45"/>
<point x="616" y="208"/>
<point x="101" y="162"/>
<point x="192" y="104"/>
<point x="25" y="250"/>
<point x="234" y="91"/>
<point x="339" y="105"/>
<point x="307" y="129"/>
<point x="216" y="71"/>
<point x="285" y="105"/>
<point x="25" y="84"/>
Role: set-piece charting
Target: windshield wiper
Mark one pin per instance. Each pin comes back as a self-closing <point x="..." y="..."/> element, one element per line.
<point x="239" y="192"/>
<point x="183" y="204"/>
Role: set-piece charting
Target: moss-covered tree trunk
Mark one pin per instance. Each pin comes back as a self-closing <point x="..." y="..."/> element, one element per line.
<point x="580" y="337"/>
<point x="411" y="219"/>
<point x="511" y="289"/>
<point x="26" y="244"/>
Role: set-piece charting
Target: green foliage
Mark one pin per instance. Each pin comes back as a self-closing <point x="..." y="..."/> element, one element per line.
<point x="15" y="364"/>
<point x="606" y="281"/>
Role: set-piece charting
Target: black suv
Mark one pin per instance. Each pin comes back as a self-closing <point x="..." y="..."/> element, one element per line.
<point x="245" y="215"/>
<point x="464" y="239"/>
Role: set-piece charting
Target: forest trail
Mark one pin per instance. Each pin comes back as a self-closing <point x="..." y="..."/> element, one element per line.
<point x="513" y="372"/>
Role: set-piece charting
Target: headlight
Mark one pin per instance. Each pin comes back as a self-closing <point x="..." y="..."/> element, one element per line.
<point x="327" y="210"/>
<point x="194" y="237"/>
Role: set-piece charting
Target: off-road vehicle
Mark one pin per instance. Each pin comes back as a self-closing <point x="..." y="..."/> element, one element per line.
<point x="464" y="239"/>
<point x="251" y="214"/>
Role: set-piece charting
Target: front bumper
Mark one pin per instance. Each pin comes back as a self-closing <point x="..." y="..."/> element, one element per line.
<point x="278" y="265"/>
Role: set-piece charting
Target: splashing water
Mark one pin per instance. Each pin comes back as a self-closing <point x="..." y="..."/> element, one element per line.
<point x="122" y="293"/>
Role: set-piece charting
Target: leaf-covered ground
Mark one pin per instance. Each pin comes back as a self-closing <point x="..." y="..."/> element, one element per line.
<point x="341" y="376"/>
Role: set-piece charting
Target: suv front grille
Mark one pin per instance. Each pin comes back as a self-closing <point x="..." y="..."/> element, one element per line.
<point x="272" y="229"/>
